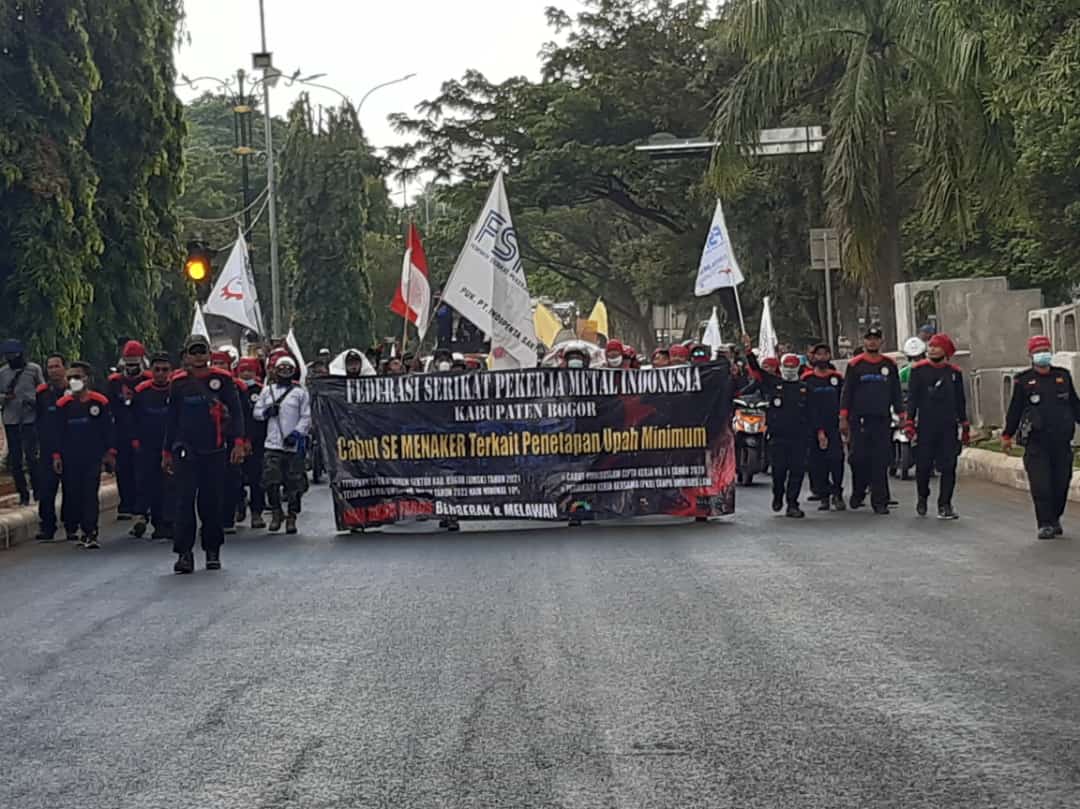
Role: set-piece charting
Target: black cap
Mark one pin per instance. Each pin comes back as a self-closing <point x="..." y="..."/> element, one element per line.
<point x="196" y="340"/>
<point x="160" y="356"/>
<point x="818" y="346"/>
<point x="353" y="355"/>
<point x="874" y="331"/>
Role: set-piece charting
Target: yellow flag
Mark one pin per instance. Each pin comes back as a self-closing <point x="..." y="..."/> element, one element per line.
<point x="599" y="317"/>
<point x="547" y="325"/>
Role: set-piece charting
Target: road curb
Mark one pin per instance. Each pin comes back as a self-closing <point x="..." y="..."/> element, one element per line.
<point x="20" y="524"/>
<point x="1002" y="469"/>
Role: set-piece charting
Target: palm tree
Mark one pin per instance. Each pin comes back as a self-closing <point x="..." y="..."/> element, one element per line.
<point x="897" y="78"/>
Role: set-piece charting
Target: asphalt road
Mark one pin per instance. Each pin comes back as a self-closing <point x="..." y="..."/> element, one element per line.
<point x="845" y="661"/>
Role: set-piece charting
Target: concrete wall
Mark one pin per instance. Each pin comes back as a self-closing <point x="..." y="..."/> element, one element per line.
<point x="904" y="296"/>
<point x="1066" y="333"/>
<point x="990" y="392"/>
<point x="998" y="326"/>
<point x="1041" y="321"/>
<point x="952" y="308"/>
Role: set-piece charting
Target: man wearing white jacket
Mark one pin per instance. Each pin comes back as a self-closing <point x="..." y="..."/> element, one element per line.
<point x="285" y="406"/>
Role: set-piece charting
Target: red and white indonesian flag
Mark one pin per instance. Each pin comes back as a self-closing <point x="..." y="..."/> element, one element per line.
<point x="234" y="296"/>
<point x="414" y="286"/>
<point x="718" y="268"/>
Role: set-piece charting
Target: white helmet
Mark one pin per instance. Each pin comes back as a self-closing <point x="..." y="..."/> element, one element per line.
<point x="914" y="347"/>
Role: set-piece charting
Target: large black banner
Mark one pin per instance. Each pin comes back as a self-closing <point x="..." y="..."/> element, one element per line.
<point x="543" y="444"/>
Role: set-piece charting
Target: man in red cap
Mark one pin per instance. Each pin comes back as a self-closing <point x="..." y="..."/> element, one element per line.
<point x="248" y="370"/>
<point x="121" y="392"/>
<point x="150" y="415"/>
<point x="613" y="354"/>
<point x="679" y="354"/>
<point x="1042" y="416"/>
<point x="937" y="410"/>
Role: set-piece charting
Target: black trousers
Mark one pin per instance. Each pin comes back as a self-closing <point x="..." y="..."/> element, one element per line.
<point x="48" y="484"/>
<point x="1049" y="470"/>
<point x="826" y="466"/>
<point x="871" y="449"/>
<point x="938" y="446"/>
<point x="126" y="476"/>
<point x="154" y="489"/>
<point x="787" y="459"/>
<point x="233" y="491"/>
<point x="22" y="446"/>
<point x="253" y="471"/>
<point x="200" y="482"/>
<point x="82" y="484"/>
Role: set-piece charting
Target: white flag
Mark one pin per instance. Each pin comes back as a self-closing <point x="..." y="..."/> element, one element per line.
<point x="766" y="334"/>
<point x="712" y="336"/>
<point x="719" y="267"/>
<point x="294" y="349"/>
<point x="488" y="284"/>
<point x="198" y="325"/>
<point x="234" y="296"/>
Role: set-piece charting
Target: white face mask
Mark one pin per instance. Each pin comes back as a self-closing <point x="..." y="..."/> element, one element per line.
<point x="76" y="385"/>
<point x="443" y="365"/>
<point x="1042" y="359"/>
<point x="789" y="374"/>
<point x="614" y="362"/>
<point x="575" y="363"/>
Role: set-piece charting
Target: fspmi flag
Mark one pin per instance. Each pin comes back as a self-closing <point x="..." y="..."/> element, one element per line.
<point x="234" y="296"/>
<point x="719" y="267"/>
<point x="488" y="285"/>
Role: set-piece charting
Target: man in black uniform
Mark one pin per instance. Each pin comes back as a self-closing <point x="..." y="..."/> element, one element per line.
<point x="1042" y="415"/>
<point x="150" y="415"/>
<point x="789" y="431"/>
<point x="938" y="410"/>
<point x="204" y="419"/>
<point x="871" y="388"/>
<point x="826" y="461"/>
<point x="48" y="394"/>
<point x="121" y="392"/>
<point x="248" y="370"/>
<point x="85" y="440"/>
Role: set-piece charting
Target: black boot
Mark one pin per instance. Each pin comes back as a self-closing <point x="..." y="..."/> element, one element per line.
<point x="838" y="503"/>
<point x="185" y="563"/>
<point x="947" y="513"/>
<point x="276" y="518"/>
<point x="824" y="504"/>
<point x="213" y="560"/>
<point x="920" y="507"/>
<point x="290" y="524"/>
<point x="139" y="528"/>
<point x="1046" y="532"/>
<point x="795" y="512"/>
<point x="777" y="502"/>
<point x="1058" y="530"/>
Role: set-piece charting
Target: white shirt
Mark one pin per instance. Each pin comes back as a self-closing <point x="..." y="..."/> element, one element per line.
<point x="294" y="414"/>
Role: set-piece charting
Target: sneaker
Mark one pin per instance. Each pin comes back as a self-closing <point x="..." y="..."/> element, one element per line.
<point x="72" y="536"/>
<point x="1058" y="530"/>
<point x="91" y="542"/>
<point x="920" y="507"/>
<point x="213" y="560"/>
<point x="857" y="502"/>
<point x="824" y="504"/>
<point x="838" y="503"/>
<point x="230" y="529"/>
<point x="241" y="512"/>
<point x="185" y="563"/>
<point x="123" y="516"/>
<point x="290" y="524"/>
<point x="947" y="513"/>
<point x="139" y="528"/>
<point x="795" y="513"/>
<point x="80" y="542"/>
<point x="257" y="520"/>
<point x="1046" y="532"/>
<point x="814" y="498"/>
<point x="881" y="511"/>
<point x="162" y="532"/>
<point x="46" y="536"/>
<point x="454" y="525"/>
<point x="24" y="499"/>
<point x="777" y="502"/>
<point x="276" y="519"/>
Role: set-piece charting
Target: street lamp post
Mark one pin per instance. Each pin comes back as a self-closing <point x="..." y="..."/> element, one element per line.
<point x="270" y="75"/>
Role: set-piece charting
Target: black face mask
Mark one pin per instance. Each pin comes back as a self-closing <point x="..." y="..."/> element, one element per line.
<point x="16" y="361"/>
<point x="132" y="370"/>
<point x="822" y="364"/>
<point x="936" y="360"/>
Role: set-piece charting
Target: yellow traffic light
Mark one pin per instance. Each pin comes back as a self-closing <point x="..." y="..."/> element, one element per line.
<point x="197" y="266"/>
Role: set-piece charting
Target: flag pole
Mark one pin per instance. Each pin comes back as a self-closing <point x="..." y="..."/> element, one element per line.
<point x="408" y="276"/>
<point x="738" y="307"/>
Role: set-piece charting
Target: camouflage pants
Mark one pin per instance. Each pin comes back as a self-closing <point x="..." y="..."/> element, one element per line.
<point x="284" y="470"/>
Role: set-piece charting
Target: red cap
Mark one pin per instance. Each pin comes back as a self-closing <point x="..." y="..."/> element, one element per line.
<point x="629" y="351"/>
<point x="680" y="352"/>
<point x="790" y="361"/>
<point x="248" y="364"/>
<point x="133" y="350"/>
<point x="1038" y="343"/>
<point x="220" y="356"/>
<point x="613" y="347"/>
<point x="770" y="364"/>
<point x="945" y="343"/>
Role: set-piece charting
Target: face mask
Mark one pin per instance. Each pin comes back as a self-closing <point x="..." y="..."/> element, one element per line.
<point x="821" y="364"/>
<point x="284" y="375"/>
<point x="575" y="363"/>
<point x="132" y="370"/>
<point x="444" y="365"/>
<point x="614" y="362"/>
<point x="16" y="362"/>
<point x="1042" y="359"/>
<point x="76" y="385"/>
<point x="937" y="360"/>
<point x="789" y="374"/>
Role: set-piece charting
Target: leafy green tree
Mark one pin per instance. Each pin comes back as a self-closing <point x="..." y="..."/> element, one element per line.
<point x="49" y="236"/>
<point x="324" y="184"/>
<point x="901" y="81"/>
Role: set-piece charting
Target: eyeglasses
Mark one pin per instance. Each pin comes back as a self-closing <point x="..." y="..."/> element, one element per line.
<point x="197" y="350"/>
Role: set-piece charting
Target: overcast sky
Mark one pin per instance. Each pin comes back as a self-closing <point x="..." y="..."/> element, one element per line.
<point x="361" y="43"/>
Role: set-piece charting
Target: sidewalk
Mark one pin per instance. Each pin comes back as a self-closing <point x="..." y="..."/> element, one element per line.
<point x="19" y="524"/>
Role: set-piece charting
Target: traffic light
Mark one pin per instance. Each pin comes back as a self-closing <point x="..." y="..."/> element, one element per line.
<point x="198" y="264"/>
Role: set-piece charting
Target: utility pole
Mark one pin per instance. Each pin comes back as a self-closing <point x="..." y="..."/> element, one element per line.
<point x="263" y="60"/>
<point x="242" y="137"/>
